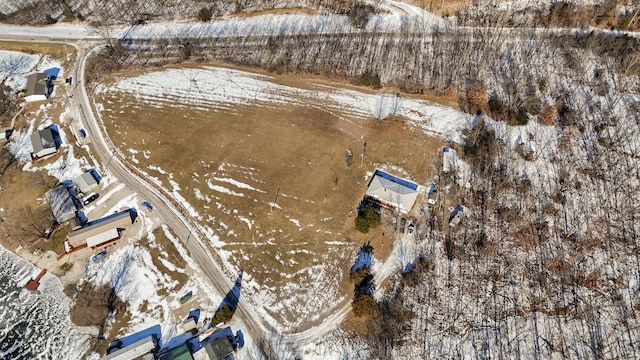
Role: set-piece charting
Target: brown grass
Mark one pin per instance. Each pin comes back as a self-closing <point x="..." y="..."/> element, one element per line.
<point x="64" y="52"/>
<point x="300" y="149"/>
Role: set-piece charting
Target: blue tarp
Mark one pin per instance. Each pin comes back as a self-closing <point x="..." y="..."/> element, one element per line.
<point x="52" y="72"/>
<point x="195" y="314"/>
<point x="397" y="180"/>
<point x="95" y="175"/>
<point x="83" y="218"/>
<point x="56" y="135"/>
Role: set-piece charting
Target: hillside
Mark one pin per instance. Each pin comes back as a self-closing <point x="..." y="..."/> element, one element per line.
<point x="244" y="121"/>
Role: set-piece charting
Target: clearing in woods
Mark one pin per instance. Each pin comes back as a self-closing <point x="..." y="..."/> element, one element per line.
<point x="268" y="177"/>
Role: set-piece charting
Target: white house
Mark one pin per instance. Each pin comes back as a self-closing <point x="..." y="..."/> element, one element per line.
<point x="392" y="191"/>
<point x="38" y="87"/>
<point x="44" y="142"/>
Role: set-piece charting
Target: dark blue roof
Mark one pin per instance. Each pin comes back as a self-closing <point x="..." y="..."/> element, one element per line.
<point x="56" y="135"/>
<point x="397" y="180"/>
<point x="95" y="175"/>
<point x="155" y="331"/>
<point x="132" y="212"/>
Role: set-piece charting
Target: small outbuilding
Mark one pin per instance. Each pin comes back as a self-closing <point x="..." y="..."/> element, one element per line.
<point x="448" y="159"/>
<point x="218" y="349"/>
<point x="456" y="215"/>
<point x="39" y="87"/>
<point x="87" y="181"/>
<point x="5" y="134"/>
<point x="392" y="192"/>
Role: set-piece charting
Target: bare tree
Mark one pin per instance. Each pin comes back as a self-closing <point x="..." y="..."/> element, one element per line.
<point x="36" y="221"/>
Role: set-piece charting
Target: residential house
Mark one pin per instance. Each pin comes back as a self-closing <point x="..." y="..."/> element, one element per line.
<point x="218" y="349"/>
<point x="392" y="192"/>
<point x="63" y="202"/>
<point x="39" y="87"/>
<point x="45" y="142"/>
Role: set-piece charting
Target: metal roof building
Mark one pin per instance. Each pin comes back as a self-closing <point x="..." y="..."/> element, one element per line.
<point x="392" y="191"/>
<point x="102" y="230"/>
<point x="218" y="349"/>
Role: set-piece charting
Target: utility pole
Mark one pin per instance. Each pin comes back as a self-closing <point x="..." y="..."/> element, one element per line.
<point x="364" y="151"/>
<point x="109" y="162"/>
<point x="276" y="199"/>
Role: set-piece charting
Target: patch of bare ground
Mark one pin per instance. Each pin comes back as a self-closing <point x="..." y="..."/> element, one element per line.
<point x="94" y="306"/>
<point x="232" y="165"/>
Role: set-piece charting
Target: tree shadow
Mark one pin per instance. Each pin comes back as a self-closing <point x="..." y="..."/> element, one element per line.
<point x="229" y="304"/>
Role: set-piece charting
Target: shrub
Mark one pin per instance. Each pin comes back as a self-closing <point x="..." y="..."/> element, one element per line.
<point x="359" y="14"/>
<point x="364" y="305"/>
<point x="549" y="115"/>
<point x="368" y="217"/>
<point x="223" y="315"/>
<point x="369" y="79"/>
<point x="517" y="117"/>
<point x="496" y="107"/>
<point x="476" y="98"/>
<point x="204" y="15"/>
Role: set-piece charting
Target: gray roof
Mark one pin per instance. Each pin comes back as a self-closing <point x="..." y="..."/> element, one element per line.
<point x="393" y="191"/>
<point x="85" y="182"/>
<point x="61" y="203"/>
<point x="43" y="139"/>
<point x="219" y="348"/>
<point x="36" y="84"/>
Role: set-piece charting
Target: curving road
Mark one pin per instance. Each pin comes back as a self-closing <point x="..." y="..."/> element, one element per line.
<point x="163" y="206"/>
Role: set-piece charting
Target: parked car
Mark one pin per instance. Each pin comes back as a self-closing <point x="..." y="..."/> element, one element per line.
<point x="410" y="232"/>
<point x="99" y="255"/>
<point x="91" y="198"/>
<point x="83" y="133"/>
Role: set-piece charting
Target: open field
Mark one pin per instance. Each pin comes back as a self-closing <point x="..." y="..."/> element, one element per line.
<point x="267" y="178"/>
